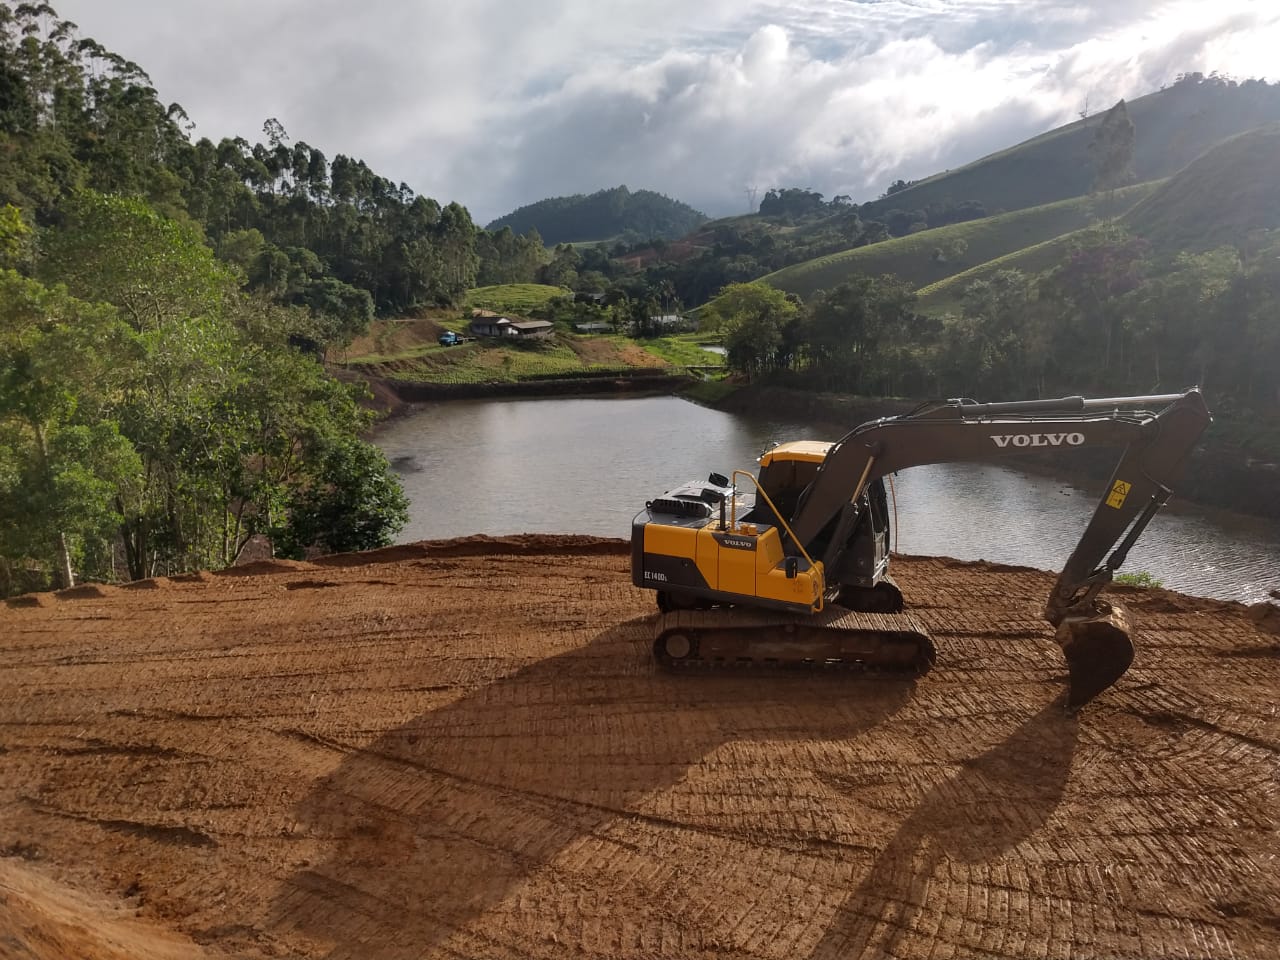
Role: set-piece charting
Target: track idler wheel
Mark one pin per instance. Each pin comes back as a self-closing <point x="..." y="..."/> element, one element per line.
<point x="1098" y="651"/>
<point x="675" y="647"/>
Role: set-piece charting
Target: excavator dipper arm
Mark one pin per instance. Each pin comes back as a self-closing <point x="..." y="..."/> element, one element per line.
<point x="1157" y="433"/>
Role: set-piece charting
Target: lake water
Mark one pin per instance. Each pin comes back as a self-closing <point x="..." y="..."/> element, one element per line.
<point x="587" y="465"/>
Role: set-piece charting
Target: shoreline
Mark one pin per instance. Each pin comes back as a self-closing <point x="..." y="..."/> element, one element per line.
<point x="1216" y="477"/>
<point x="397" y="398"/>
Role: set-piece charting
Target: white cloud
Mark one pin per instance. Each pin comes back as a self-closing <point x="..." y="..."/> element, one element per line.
<point x="497" y="103"/>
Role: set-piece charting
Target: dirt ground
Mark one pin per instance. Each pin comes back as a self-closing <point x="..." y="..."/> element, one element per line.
<point x="595" y="350"/>
<point x="463" y="749"/>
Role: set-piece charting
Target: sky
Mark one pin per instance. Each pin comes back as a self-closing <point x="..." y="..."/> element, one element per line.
<point x="500" y="103"/>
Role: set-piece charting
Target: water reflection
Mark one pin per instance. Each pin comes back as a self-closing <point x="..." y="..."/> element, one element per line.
<point x="587" y="465"/>
<point x="983" y="511"/>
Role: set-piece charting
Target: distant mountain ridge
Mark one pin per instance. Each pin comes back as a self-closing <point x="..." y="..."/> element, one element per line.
<point x="617" y="212"/>
<point x="1206" y="172"/>
<point x="1174" y="126"/>
<point x="1219" y="199"/>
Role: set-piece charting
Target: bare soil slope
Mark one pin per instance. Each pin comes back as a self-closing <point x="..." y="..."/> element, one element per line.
<point x="463" y="749"/>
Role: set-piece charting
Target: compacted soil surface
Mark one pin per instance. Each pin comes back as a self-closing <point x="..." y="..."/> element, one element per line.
<point x="463" y="749"/>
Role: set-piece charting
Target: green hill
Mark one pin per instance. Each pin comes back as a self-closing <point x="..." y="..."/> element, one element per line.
<point x="804" y="243"/>
<point x="1172" y="127"/>
<point x="643" y="215"/>
<point x="1220" y="198"/>
<point x="945" y="295"/>
<point x="931" y="256"/>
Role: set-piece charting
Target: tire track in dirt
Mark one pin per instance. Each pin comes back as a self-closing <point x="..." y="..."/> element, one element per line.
<point x="527" y="767"/>
<point x="463" y="749"/>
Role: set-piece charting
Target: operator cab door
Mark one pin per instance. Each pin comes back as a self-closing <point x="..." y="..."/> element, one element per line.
<point x="864" y="557"/>
<point x="873" y="560"/>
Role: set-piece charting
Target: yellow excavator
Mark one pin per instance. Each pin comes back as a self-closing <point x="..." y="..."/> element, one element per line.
<point x="791" y="567"/>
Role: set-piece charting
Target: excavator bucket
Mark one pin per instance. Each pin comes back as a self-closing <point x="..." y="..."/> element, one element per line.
<point x="1098" y="651"/>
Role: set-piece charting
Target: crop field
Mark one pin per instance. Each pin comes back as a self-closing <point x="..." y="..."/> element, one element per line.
<point x="407" y="350"/>
<point x="490" y="362"/>
<point x="517" y="298"/>
<point x="682" y="350"/>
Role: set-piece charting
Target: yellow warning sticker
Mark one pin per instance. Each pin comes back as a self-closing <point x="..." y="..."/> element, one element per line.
<point x="1119" y="491"/>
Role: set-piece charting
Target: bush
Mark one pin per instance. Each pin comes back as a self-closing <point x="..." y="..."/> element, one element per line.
<point x="1139" y="578"/>
<point x="354" y="502"/>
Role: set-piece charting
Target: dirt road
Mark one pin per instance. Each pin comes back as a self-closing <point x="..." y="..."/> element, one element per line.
<point x="463" y="750"/>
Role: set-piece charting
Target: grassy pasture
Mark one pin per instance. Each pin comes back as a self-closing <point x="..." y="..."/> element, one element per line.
<point x="945" y="295"/>
<point x="927" y="257"/>
<point x="517" y="298"/>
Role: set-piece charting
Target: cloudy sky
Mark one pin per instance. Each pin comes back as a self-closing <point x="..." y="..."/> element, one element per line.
<point x="498" y="103"/>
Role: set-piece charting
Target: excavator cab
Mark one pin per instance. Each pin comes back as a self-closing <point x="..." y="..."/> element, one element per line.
<point x="791" y="566"/>
<point x="854" y="544"/>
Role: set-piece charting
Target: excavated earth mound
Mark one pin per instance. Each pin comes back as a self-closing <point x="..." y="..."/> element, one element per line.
<point x="463" y="749"/>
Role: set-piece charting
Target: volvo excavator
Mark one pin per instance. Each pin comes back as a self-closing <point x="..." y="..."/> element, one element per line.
<point x="791" y="567"/>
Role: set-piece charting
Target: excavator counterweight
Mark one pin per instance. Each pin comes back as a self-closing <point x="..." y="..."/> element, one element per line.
<point x="778" y="567"/>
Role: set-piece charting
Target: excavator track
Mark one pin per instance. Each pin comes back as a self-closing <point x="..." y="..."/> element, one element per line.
<point x="870" y="644"/>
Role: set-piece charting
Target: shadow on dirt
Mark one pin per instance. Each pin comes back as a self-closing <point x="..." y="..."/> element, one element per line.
<point x="438" y="821"/>
<point x="994" y="802"/>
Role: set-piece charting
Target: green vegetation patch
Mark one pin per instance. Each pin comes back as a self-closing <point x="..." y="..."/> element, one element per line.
<point x="1139" y="578"/>
<point x="492" y="362"/>
<point x="518" y="298"/>
<point x="931" y="256"/>
<point x="394" y="356"/>
<point x="498" y="361"/>
<point x="685" y="351"/>
<point x="946" y="295"/>
<point x="710" y="392"/>
<point x="1221" y="198"/>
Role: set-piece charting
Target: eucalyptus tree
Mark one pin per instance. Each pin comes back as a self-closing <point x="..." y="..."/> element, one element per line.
<point x="1000" y="344"/>
<point x="1089" y="288"/>
<point x="1253" y="302"/>
<point x="855" y="332"/>
<point x="1177" y="323"/>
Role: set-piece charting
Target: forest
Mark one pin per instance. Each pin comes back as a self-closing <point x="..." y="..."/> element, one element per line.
<point x="161" y="306"/>
<point x="618" y="214"/>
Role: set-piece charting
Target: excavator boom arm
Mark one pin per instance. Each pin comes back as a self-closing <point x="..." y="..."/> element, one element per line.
<point x="1139" y="486"/>
<point x="1156" y="444"/>
<point x="1157" y="432"/>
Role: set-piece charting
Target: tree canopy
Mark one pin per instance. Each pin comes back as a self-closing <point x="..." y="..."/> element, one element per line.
<point x="332" y="235"/>
<point x="150" y="405"/>
<point x="603" y="215"/>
